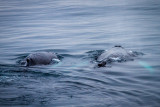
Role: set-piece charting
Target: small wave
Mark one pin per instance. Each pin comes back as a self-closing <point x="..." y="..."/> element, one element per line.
<point x="93" y="54"/>
<point x="40" y="71"/>
<point x="76" y="83"/>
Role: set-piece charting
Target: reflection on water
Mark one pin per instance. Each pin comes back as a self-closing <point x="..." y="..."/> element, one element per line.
<point x="74" y="30"/>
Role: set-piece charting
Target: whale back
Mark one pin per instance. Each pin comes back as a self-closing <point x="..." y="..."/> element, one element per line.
<point x="41" y="58"/>
<point x="114" y="53"/>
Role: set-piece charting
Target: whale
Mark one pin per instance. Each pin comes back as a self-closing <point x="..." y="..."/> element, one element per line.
<point x="39" y="58"/>
<point x="115" y="54"/>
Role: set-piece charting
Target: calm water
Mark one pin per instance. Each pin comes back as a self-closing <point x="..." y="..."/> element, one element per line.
<point x="75" y="30"/>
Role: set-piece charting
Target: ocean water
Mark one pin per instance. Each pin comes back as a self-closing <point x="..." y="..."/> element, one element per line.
<point x="76" y="29"/>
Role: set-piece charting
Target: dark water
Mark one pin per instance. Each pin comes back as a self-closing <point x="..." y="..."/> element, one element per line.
<point x="75" y="29"/>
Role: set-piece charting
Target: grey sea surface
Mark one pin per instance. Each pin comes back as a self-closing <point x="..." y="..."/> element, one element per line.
<point x="75" y="30"/>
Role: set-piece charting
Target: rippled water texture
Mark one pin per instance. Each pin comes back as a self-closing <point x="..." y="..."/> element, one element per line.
<point x="78" y="30"/>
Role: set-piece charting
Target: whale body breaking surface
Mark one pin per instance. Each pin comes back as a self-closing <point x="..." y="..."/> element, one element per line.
<point x="39" y="58"/>
<point x="116" y="54"/>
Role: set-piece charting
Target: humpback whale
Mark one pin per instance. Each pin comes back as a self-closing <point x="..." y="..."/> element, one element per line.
<point x="115" y="54"/>
<point x="39" y="58"/>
